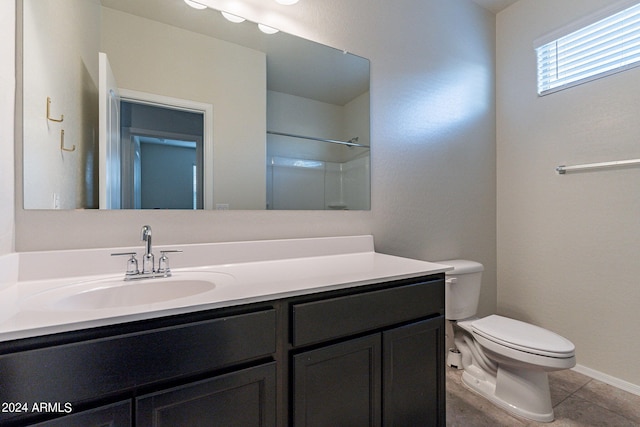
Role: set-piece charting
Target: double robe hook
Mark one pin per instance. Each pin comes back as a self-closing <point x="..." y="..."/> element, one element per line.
<point x="62" y="147"/>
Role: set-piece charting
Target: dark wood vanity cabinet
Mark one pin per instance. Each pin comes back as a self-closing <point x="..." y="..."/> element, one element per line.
<point x="245" y="398"/>
<point x="383" y="362"/>
<point x="202" y="355"/>
<point x="391" y="379"/>
<point x="364" y="356"/>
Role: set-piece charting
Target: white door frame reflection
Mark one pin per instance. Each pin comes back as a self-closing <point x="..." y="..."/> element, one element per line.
<point x="204" y="146"/>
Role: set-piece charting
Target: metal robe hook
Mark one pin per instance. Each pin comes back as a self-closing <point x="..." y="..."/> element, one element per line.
<point x="62" y="147"/>
<point x="49" y="112"/>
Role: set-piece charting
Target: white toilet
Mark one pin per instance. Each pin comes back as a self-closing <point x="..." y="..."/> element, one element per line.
<point x="504" y="360"/>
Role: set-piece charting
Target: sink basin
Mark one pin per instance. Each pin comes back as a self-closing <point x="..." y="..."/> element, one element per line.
<point x="134" y="293"/>
<point x="116" y="293"/>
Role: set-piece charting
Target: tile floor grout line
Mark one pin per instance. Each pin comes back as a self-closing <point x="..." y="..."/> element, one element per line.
<point x="573" y="393"/>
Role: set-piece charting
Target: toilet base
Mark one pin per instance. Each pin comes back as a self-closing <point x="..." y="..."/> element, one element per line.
<point x="524" y="393"/>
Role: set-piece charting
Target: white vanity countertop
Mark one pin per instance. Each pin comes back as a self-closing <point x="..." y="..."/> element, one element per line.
<point x="266" y="270"/>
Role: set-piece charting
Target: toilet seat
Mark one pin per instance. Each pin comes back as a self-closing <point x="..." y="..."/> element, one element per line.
<point x="522" y="336"/>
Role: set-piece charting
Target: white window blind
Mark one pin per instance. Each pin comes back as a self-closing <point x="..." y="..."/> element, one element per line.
<point x="607" y="46"/>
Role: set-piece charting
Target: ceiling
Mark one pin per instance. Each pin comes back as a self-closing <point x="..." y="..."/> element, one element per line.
<point x="495" y="6"/>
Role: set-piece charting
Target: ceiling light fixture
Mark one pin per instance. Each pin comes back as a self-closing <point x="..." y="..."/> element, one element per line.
<point x="287" y="2"/>
<point x="195" y="5"/>
<point x="233" y="18"/>
<point x="267" y="29"/>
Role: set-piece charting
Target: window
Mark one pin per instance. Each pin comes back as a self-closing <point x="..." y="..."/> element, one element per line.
<point x="607" y="46"/>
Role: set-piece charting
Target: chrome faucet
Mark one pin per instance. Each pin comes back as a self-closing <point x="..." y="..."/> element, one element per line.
<point x="148" y="259"/>
<point x="148" y="264"/>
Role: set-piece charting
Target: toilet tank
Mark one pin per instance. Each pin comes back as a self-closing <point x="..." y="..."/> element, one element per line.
<point x="462" y="288"/>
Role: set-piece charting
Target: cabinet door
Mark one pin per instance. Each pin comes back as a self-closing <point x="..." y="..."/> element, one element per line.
<point x="338" y="385"/>
<point x="116" y="415"/>
<point x="246" y="398"/>
<point x="414" y="384"/>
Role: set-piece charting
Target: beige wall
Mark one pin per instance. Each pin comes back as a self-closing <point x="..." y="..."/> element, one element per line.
<point x="303" y="116"/>
<point x="433" y="133"/>
<point x="60" y="62"/>
<point x="357" y="120"/>
<point x="568" y="246"/>
<point x="7" y="86"/>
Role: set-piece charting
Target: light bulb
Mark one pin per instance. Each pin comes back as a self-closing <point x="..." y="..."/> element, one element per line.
<point x="195" y="5"/>
<point x="267" y="30"/>
<point x="287" y="2"/>
<point x="233" y="18"/>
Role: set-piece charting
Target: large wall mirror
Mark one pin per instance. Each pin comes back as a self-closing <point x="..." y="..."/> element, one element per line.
<point x="153" y="104"/>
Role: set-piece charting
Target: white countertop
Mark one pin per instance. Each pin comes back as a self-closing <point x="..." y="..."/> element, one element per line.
<point x="266" y="270"/>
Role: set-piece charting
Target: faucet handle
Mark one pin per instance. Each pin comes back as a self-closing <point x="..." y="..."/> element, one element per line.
<point x="163" y="262"/>
<point x="132" y="263"/>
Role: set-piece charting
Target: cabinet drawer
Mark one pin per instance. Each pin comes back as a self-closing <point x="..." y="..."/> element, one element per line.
<point x="92" y="369"/>
<point x="331" y="318"/>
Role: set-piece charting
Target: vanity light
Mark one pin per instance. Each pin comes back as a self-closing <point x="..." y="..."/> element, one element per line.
<point x="267" y="30"/>
<point x="195" y="5"/>
<point x="233" y="18"/>
<point x="287" y="2"/>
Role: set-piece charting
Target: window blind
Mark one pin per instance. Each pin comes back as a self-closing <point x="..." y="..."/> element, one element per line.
<point x="607" y="46"/>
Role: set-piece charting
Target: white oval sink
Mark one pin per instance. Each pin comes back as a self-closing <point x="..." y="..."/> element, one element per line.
<point x="148" y="291"/>
<point x="116" y="293"/>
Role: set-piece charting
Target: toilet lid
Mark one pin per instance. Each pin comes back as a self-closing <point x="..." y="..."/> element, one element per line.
<point x="523" y="336"/>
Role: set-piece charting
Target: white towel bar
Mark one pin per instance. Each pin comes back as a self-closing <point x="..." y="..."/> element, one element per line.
<point x="562" y="169"/>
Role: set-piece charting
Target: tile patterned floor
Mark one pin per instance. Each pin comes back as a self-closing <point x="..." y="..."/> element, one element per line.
<point x="577" y="400"/>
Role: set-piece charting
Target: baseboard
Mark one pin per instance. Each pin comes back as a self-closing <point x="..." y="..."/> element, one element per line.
<point x="608" y="379"/>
